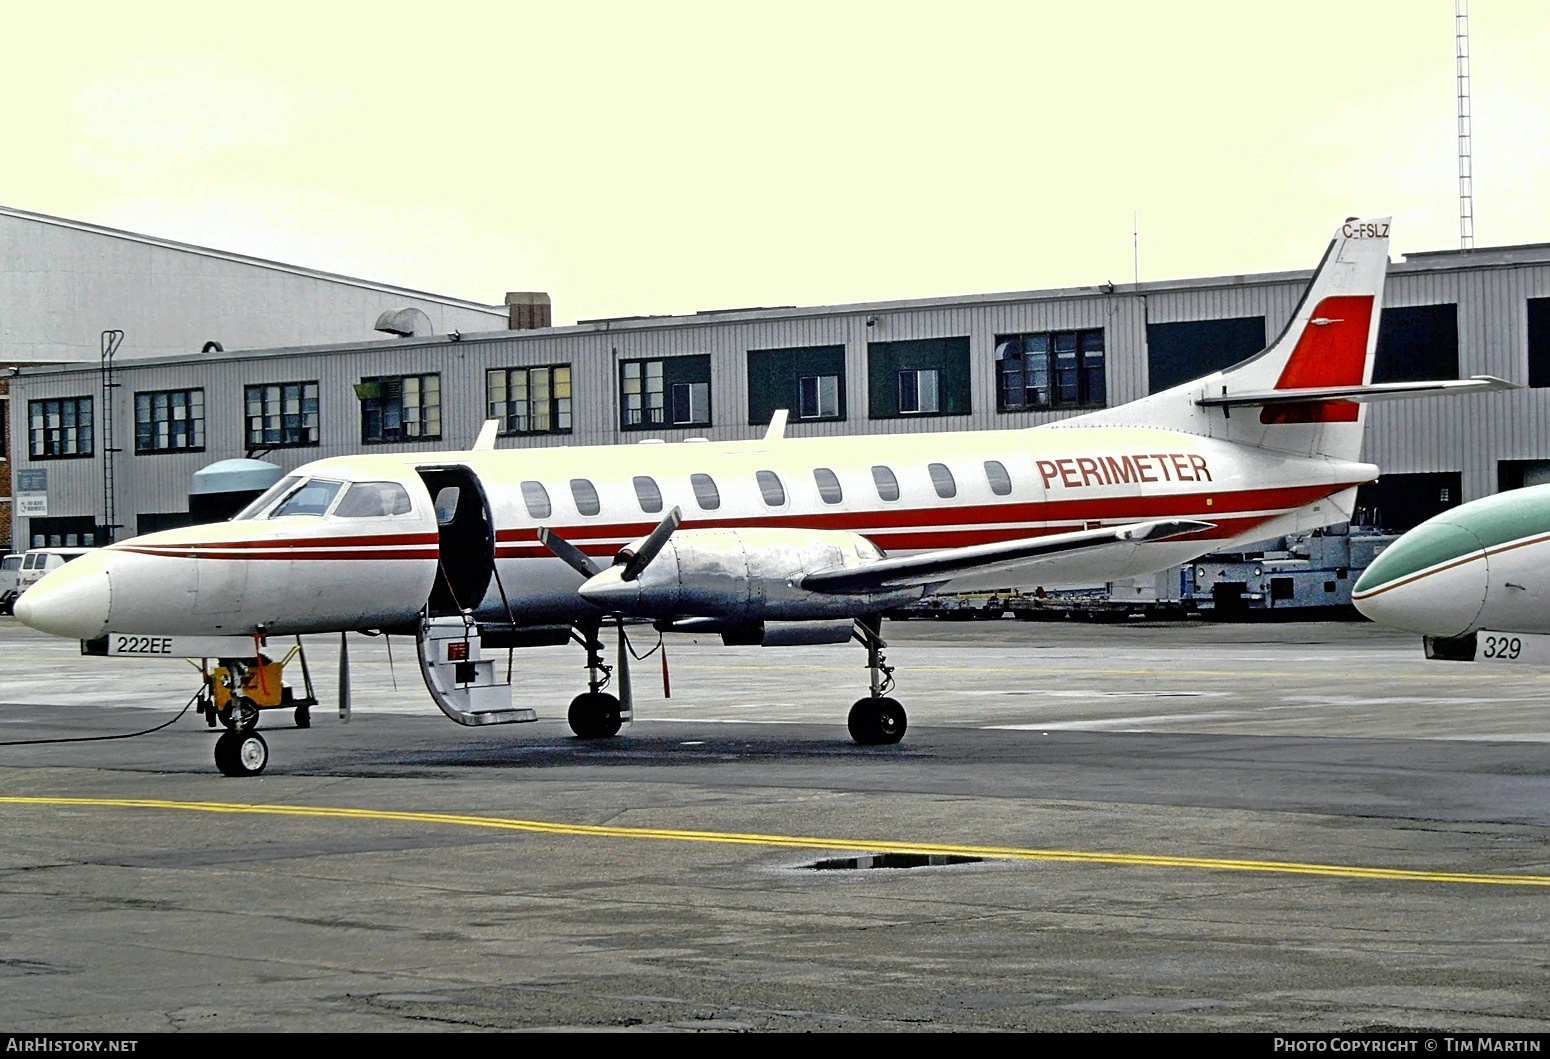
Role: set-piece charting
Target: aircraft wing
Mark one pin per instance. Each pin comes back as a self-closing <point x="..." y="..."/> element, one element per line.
<point x="1378" y="391"/>
<point x="937" y="567"/>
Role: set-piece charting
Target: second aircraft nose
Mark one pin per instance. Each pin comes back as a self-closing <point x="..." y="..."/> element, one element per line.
<point x="1431" y="581"/>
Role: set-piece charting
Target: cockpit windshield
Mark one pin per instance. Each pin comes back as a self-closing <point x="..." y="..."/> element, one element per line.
<point x="312" y="498"/>
<point x="373" y="500"/>
<point x="268" y="497"/>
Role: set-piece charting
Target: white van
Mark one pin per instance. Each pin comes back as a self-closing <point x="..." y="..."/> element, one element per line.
<point x="39" y="561"/>
<point x="10" y="586"/>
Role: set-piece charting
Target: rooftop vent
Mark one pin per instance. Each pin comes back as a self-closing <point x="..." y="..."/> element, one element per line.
<point x="405" y="322"/>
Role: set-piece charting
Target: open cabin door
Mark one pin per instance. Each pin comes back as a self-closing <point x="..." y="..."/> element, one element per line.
<point x="465" y="533"/>
<point x="460" y="679"/>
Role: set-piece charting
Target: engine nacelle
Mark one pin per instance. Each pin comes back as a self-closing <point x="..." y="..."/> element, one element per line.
<point x="744" y="576"/>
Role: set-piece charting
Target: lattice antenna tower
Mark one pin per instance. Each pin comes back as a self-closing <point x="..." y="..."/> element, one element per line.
<point x="1466" y="170"/>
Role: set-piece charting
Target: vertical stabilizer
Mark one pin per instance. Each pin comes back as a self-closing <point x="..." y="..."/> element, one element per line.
<point x="1329" y="341"/>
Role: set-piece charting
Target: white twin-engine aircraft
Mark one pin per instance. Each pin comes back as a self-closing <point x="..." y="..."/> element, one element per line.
<point x="775" y="541"/>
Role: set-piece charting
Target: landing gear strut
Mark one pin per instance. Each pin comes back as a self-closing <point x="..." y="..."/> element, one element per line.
<point x="596" y="714"/>
<point x="877" y="719"/>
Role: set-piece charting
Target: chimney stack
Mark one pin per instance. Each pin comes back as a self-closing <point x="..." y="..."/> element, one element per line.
<point x="526" y="310"/>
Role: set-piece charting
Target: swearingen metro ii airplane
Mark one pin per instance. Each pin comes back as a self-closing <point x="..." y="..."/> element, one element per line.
<point x="776" y="541"/>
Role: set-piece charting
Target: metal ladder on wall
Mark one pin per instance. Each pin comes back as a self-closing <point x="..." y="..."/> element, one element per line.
<point x="111" y="340"/>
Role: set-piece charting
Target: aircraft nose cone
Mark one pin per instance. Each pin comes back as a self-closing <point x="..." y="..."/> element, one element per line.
<point x="1431" y="581"/>
<point x="72" y="601"/>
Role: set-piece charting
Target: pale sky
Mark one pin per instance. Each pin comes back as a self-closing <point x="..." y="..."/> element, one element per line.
<point x="654" y="158"/>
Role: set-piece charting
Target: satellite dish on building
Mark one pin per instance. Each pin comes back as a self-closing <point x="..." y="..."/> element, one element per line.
<point x="405" y="322"/>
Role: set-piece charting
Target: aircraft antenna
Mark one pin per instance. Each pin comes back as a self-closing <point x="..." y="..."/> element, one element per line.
<point x="1466" y="171"/>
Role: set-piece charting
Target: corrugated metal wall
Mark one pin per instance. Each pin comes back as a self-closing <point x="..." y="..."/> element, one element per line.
<point x="1463" y="434"/>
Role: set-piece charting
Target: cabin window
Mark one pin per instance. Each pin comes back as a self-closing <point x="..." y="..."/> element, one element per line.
<point x="705" y="491"/>
<point x="446" y="504"/>
<point x="373" y="500"/>
<point x="942" y="481"/>
<point x="311" y="499"/>
<point x="59" y="427"/>
<point x="887" y="484"/>
<point x="771" y="489"/>
<point x="648" y="494"/>
<point x="828" y="485"/>
<point x="281" y="414"/>
<point x="585" y="495"/>
<point x="400" y="408"/>
<point x="170" y="421"/>
<point x="1000" y="481"/>
<point x="529" y="400"/>
<point x="536" y="497"/>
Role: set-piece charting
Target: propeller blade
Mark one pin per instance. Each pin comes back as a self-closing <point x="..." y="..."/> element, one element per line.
<point x="344" y="678"/>
<point x="574" y="557"/>
<point x="622" y="674"/>
<point x="651" y="546"/>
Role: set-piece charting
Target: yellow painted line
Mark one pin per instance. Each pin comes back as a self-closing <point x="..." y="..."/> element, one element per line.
<point x="1338" y="871"/>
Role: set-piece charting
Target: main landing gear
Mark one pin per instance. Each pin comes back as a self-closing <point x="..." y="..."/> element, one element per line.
<point x="876" y="720"/>
<point x="596" y="714"/>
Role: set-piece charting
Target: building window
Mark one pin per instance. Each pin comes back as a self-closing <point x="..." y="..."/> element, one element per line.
<point x="69" y="531"/>
<point x="1191" y="349"/>
<point x="281" y="415"/>
<point x="809" y="381"/>
<point x="59" y="427"/>
<point x="400" y="408"/>
<point x="170" y="421"/>
<point x="530" y="400"/>
<point x="1050" y="369"/>
<point x="671" y="392"/>
<point x="922" y="377"/>
<point x="918" y="392"/>
<point x="1539" y="341"/>
<point x="1417" y="343"/>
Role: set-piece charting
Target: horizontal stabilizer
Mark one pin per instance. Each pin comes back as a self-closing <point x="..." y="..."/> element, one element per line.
<point x="1378" y="391"/>
<point x="933" y="567"/>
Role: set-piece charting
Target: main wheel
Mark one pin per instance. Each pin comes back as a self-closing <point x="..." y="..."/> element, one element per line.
<point x="876" y="722"/>
<point x="594" y="715"/>
<point x="239" y="753"/>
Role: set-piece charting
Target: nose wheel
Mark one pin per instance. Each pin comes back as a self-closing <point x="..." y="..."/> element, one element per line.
<point x="241" y="753"/>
